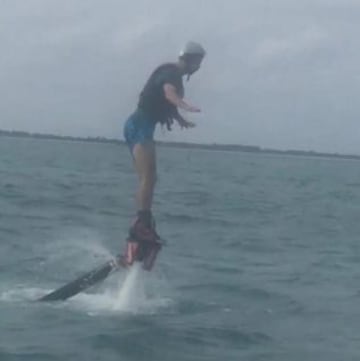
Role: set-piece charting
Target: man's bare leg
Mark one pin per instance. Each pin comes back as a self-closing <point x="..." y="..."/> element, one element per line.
<point x="145" y="164"/>
<point x="143" y="228"/>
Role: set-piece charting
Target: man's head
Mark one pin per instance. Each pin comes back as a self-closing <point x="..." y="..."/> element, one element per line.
<point x="191" y="57"/>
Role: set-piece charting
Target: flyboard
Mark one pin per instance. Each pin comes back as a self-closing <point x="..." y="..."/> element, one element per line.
<point x="135" y="251"/>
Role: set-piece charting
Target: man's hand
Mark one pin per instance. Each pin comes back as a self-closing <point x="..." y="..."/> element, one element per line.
<point x="185" y="123"/>
<point x="188" y="124"/>
<point x="172" y="96"/>
<point x="192" y="108"/>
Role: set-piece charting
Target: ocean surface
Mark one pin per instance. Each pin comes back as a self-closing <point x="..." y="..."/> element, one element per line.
<point x="262" y="259"/>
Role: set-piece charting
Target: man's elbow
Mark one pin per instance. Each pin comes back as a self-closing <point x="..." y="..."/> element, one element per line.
<point x="168" y="96"/>
<point x="169" y="93"/>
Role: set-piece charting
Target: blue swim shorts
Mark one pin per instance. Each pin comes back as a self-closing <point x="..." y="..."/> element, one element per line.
<point x="138" y="129"/>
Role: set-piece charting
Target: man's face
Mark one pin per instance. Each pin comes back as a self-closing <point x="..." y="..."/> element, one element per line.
<point x="193" y="63"/>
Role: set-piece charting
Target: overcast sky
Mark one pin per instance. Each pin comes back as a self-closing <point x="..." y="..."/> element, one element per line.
<point x="281" y="74"/>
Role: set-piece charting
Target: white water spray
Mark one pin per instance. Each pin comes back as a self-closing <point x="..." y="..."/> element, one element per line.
<point x="131" y="296"/>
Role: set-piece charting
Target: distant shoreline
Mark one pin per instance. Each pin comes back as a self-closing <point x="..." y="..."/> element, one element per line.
<point x="212" y="147"/>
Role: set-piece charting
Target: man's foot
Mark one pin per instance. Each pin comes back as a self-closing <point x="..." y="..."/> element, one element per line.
<point x="149" y="254"/>
<point x="143" y="243"/>
<point x="131" y="252"/>
<point x="143" y="231"/>
<point x="145" y="252"/>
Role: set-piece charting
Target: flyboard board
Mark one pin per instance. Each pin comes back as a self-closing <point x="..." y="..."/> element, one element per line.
<point x="134" y="252"/>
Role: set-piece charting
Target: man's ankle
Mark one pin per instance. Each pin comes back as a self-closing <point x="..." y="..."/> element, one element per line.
<point x="145" y="217"/>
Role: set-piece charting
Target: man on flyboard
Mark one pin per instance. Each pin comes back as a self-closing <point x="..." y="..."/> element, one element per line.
<point x="159" y="101"/>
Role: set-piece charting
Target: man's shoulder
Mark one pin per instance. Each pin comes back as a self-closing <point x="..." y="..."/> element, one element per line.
<point x="168" y="67"/>
<point x="168" y="70"/>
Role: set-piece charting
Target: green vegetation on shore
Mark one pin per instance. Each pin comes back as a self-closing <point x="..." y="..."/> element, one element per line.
<point x="213" y="147"/>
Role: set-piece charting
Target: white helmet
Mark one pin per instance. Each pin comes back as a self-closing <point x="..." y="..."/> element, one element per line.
<point x="192" y="48"/>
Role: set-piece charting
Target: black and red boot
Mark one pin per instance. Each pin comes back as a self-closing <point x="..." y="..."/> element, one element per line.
<point x="143" y="243"/>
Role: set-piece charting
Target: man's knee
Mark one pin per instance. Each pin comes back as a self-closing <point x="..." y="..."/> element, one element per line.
<point x="149" y="180"/>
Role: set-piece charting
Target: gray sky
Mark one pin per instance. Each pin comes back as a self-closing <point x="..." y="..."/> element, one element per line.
<point x="281" y="73"/>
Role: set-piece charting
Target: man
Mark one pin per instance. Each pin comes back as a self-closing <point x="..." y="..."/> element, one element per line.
<point x="159" y="102"/>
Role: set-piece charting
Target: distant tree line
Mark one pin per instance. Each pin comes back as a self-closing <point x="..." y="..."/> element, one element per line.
<point x="22" y="134"/>
<point x="214" y="146"/>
